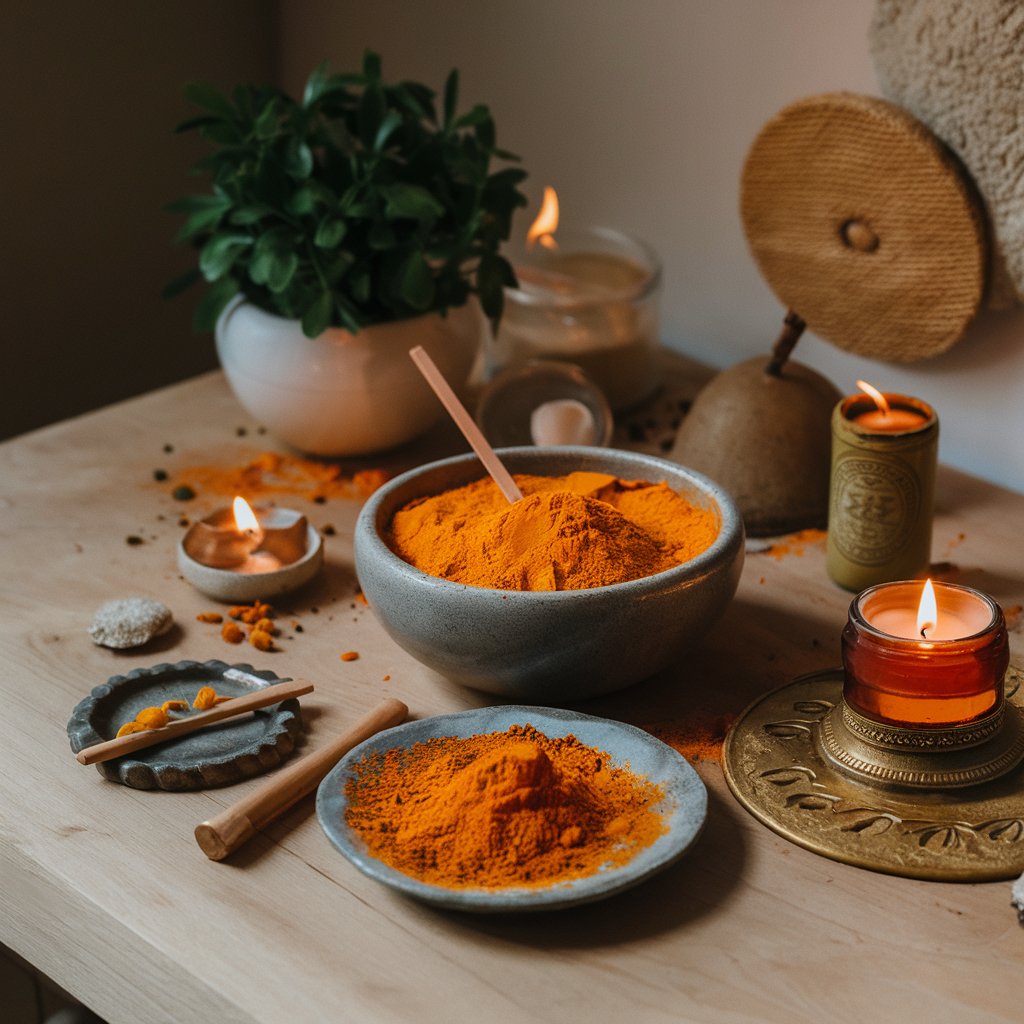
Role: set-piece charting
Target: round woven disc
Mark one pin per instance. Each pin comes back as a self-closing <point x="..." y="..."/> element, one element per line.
<point x="864" y="224"/>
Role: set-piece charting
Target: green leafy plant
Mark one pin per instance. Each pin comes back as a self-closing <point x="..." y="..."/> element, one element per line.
<point x="355" y="206"/>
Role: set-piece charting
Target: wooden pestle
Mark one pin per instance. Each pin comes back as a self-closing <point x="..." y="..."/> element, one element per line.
<point x="238" y="823"/>
<point x="261" y="698"/>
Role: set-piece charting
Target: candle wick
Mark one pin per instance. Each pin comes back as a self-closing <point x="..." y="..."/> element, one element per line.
<point x="927" y="625"/>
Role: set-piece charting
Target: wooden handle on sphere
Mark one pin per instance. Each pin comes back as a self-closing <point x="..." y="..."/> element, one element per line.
<point x="238" y="823"/>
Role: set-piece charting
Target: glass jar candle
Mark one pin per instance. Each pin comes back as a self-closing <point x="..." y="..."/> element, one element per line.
<point x="590" y="300"/>
<point x="906" y="665"/>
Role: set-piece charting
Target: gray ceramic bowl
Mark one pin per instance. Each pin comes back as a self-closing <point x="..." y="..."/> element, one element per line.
<point x="548" y="647"/>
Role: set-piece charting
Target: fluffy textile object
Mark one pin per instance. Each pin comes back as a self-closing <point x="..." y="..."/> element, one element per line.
<point x="958" y="66"/>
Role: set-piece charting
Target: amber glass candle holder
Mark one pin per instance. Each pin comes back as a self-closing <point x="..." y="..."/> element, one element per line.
<point x="952" y="676"/>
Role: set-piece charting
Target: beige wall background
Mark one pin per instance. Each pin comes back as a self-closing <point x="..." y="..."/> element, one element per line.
<point x="640" y="114"/>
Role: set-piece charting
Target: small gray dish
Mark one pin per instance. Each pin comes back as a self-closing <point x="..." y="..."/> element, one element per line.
<point x="235" y="749"/>
<point x="684" y="806"/>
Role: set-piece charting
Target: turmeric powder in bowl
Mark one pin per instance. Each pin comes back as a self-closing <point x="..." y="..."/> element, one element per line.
<point x="572" y="532"/>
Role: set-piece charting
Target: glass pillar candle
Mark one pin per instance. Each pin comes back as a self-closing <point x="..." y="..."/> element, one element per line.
<point x="882" y="489"/>
<point x="591" y="299"/>
<point x="907" y="665"/>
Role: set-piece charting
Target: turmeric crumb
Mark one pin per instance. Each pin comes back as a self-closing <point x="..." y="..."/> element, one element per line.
<point x="174" y="705"/>
<point x="209" y="617"/>
<point x="361" y="597"/>
<point x="231" y="632"/>
<point x="221" y="697"/>
<point x="152" y="718"/>
<point x="349" y="656"/>
<point x="205" y="698"/>
<point x="129" y="727"/>
<point x="265" y="626"/>
<point x="238" y="610"/>
<point x="387" y="679"/>
<point x="261" y="641"/>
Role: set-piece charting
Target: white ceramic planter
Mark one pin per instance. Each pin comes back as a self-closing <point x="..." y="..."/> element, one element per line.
<point x="343" y="393"/>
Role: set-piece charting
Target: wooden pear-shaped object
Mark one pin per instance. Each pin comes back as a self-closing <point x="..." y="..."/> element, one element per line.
<point x="763" y="431"/>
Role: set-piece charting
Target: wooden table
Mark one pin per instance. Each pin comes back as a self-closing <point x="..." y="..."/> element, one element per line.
<point x="105" y="890"/>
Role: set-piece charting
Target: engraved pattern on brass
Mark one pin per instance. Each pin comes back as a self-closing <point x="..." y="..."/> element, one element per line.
<point x="775" y="767"/>
<point x="953" y="738"/>
<point x="945" y="767"/>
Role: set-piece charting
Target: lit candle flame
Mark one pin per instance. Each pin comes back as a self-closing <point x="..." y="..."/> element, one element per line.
<point x="544" y="227"/>
<point x="245" y="518"/>
<point x="875" y="395"/>
<point x="927" y="610"/>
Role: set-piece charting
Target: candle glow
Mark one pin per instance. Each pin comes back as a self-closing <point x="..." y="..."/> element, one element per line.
<point x="927" y="610"/>
<point x="543" y="229"/>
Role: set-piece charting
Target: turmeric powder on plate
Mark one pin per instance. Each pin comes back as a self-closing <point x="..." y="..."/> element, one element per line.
<point x="569" y="532"/>
<point x="502" y="809"/>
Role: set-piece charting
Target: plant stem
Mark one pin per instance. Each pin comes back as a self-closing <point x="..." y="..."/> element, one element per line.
<point x="792" y="327"/>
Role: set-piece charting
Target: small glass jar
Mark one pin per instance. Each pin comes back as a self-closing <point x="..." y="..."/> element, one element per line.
<point x="898" y="678"/>
<point x="591" y="301"/>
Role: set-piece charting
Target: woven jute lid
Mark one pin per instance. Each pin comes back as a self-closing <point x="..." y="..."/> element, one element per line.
<point x="866" y="225"/>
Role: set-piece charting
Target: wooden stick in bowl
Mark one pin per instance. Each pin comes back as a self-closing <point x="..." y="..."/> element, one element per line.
<point x="261" y="698"/>
<point x="238" y="823"/>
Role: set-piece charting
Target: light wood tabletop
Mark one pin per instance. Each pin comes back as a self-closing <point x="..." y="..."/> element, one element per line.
<point x="104" y="888"/>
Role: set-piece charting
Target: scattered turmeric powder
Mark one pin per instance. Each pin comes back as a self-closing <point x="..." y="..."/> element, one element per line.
<point x="570" y="532"/>
<point x="797" y="543"/>
<point x="501" y="809"/>
<point x="232" y="632"/>
<point x="261" y="640"/>
<point x="152" y="718"/>
<point x="276" y="473"/>
<point x="129" y="727"/>
<point x="205" y="698"/>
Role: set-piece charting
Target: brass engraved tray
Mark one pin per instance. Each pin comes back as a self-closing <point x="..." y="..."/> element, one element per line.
<point x="774" y="769"/>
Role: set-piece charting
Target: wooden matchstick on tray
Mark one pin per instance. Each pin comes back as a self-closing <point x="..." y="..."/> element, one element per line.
<point x="261" y="698"/>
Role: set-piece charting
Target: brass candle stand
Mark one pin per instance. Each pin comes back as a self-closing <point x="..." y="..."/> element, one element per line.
<point x="939" y="804"/>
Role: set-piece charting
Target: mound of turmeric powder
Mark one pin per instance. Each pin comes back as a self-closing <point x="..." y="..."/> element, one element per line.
<point x="501" y="809"/>
<point x="567" y="533"/>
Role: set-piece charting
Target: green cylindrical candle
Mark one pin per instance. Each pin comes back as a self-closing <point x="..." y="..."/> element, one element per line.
<point x="882" y="490"/>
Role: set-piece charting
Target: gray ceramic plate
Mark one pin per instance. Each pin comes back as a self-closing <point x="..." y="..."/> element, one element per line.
<point x="685" y="805"/>
<point x="235" y="749"/>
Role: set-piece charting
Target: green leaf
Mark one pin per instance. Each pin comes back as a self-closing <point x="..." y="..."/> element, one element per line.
<point x="271" y="249"/>
<point x="413" y="201"/>
<point x="304" y="201"/>
<point x="298" y="159"/>
<point x="490" y="284"/>
<point x="265" y="125"/>
<point x="451" y="96"/>
<point x="283" y="266"/>
<point x="359" y="286"/>
<point x="252" y="214"/>
<point x="206" y="96"/>
<point x="317" y="318"/>
<point x="371" y="113"/>
<point x="217" y="296"/>
<point x="391" y="121"/>
<point x="219" y="254"/>
<point x="315" y="85"/>
<point x="200" y="221"/>
<point x="329" y="233"/>
<point x="416" y="282"/>
<point x="477" y="115"/>
<point x="371" y="65"/>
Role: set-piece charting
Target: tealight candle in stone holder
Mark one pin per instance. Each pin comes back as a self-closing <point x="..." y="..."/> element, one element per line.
<point x="242" y="554"/>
